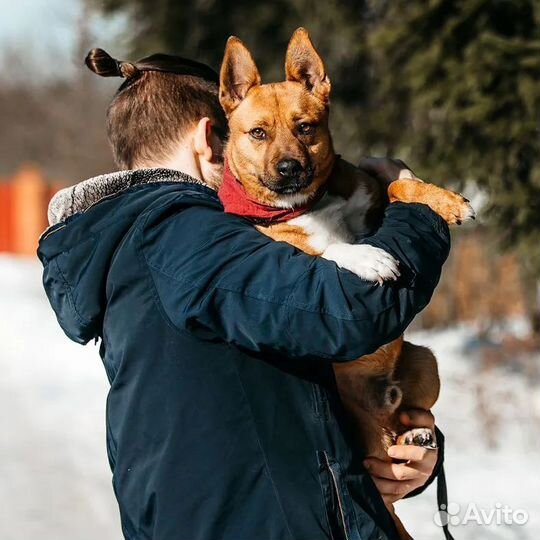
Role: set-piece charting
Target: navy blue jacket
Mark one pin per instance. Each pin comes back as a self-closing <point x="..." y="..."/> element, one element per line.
<point x="223" y="420"/>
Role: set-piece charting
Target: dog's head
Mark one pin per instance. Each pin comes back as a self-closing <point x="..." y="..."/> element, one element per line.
<point x="279" y="147"/>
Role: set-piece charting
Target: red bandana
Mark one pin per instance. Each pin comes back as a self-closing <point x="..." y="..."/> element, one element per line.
<point x="236" y="201"/>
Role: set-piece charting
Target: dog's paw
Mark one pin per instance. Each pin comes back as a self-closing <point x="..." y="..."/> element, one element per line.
<point x="420" y="437"/>
<point x="458" y="210"/>
<point x="367" y="262"/>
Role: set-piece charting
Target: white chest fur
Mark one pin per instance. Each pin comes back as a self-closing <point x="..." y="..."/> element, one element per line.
<point x="332" y="226"/>
<point x="336" y="220"/>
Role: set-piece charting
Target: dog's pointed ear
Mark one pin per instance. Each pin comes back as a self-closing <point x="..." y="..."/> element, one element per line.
<point x="304" y="65"/>
<point x="238" y="75"/>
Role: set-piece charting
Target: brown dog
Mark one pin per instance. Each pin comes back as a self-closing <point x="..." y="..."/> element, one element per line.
<point x="280" y="151"/>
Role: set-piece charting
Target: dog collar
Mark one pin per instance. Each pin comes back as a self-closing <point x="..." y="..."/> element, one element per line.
<point x="236" y="201"/>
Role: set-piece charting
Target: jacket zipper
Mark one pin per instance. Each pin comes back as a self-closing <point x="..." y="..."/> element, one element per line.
<point x="338" y="495"/>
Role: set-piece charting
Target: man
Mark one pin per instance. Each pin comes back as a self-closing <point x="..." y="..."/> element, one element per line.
<point x="223" y="419"/>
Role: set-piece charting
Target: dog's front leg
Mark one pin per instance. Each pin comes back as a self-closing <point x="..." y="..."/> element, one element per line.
<point x="367" y="262"/>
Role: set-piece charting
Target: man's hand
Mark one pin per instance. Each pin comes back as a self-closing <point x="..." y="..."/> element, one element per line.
<point x="396" y="480"/>
<point x="385" y="169"/>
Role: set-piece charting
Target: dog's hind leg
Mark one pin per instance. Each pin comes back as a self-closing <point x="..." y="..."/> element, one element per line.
<point x="418" y="377"/>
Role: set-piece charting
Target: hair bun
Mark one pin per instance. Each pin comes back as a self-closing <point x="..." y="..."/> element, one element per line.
<point x="103" y="64"/>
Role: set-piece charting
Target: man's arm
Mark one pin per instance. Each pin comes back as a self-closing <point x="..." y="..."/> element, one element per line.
<point x="385" y="169"/>
<point x="225" y="279"/>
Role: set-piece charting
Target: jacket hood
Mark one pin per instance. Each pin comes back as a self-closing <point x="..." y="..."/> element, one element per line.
<point x="88" y="222"/>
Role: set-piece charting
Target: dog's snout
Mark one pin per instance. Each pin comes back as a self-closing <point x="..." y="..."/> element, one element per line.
<point x="290" y="177"/>
<point x="289" y="168"/>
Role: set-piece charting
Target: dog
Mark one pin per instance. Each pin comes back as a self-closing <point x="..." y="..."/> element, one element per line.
<point x="281" y="156"/>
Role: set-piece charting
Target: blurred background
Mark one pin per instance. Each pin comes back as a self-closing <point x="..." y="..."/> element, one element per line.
<point x="450" y="86"/>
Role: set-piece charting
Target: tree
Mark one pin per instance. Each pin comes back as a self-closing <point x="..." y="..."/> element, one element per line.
<point x="58" y="123"/>
<point x="200" y="28"/>
<point x="459" y="90"/>
<point x="450" y="85"/>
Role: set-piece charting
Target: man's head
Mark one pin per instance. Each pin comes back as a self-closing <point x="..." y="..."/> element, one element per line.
<point x="165" y="114"/>
<point x="279" y="146"/>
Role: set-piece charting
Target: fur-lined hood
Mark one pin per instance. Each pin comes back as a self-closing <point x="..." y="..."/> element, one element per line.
<point x="78" y="198"/>
<point x="88" y="223"/>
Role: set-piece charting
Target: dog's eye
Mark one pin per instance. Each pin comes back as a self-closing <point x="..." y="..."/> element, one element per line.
<point x="305" y="128"/>
<point x="258" y="133"/>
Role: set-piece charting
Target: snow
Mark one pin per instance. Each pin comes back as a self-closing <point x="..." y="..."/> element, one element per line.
<point x="55" y="476"/>
<point x="478" y="474"/>
<point x="56" y="482"/>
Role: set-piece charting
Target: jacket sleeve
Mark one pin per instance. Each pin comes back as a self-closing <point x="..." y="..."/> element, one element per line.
<point x="218" y="277"/>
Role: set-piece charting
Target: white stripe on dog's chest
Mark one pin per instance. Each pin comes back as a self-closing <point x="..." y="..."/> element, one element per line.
<point x="335" y="220"/>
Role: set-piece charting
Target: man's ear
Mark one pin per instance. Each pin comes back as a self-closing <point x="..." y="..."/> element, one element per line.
<point x="202" y="142"/>
<point x="238" y="75"/>
<point x="304" y="65"/>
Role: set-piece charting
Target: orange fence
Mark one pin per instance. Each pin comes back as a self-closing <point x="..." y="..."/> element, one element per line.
<point x="23" y="210"/>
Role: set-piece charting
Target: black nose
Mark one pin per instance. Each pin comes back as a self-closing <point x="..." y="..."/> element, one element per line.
<point x="289" y="168"/>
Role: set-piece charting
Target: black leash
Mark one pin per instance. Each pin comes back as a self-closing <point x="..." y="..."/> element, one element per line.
<point x="442" y="502"/>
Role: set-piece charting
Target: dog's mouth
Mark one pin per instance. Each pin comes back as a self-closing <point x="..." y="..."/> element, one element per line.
<point x="289" y="186"/>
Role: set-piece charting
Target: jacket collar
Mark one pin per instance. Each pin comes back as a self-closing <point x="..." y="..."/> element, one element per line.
<point x="80" y="197"/>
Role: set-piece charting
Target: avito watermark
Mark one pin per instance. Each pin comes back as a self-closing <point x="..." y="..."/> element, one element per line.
<point x="499" y="514"/>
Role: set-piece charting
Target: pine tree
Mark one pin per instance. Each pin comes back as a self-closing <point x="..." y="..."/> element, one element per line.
<point x="458" y="90"/>
<point x="200" y="28"/>
<point x="452" y="86"/>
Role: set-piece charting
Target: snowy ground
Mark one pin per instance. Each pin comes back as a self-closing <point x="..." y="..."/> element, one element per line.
<point x="476" y="412"/>
<point x="55" y="480"/>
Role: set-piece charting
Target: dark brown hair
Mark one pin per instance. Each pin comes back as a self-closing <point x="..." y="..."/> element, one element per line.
<point x="162" y="98"/>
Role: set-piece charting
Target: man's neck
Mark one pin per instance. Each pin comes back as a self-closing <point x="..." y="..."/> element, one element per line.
<point x="185" y="161"/>
<point x="181" y="160"/>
